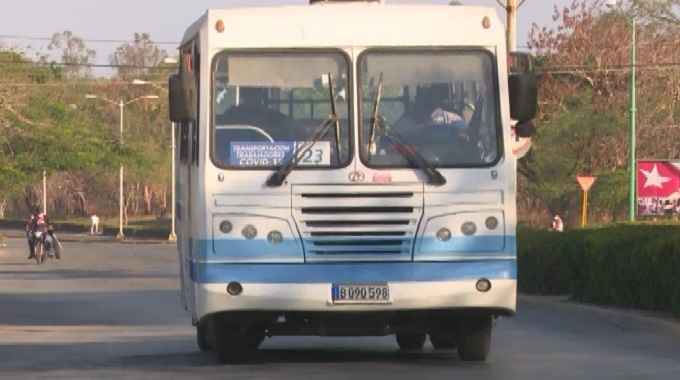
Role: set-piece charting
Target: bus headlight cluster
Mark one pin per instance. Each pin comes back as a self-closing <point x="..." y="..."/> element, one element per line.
<point x="249" y="232"/>
<point x="274" y="237"/>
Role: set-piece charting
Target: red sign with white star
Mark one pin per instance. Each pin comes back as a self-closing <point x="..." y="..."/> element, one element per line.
<point x="658" y="179"/>
<point x="658" y="188"/>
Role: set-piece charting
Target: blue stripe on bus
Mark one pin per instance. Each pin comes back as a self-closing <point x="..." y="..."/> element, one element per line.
<point x="488" y="243"/>
<point x="213" y="273"/>
<point x="242" y="249"/>
<point x="291" y="249"/>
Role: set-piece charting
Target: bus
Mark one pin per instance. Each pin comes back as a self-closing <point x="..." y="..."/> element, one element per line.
<point x="345" y="168"/>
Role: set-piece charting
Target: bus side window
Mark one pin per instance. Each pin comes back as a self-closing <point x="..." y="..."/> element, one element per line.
<point x="196" y="64"/>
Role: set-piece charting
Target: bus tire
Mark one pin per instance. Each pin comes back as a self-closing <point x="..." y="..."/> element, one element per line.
<point x="202" y="340"/>
<point x="229" y="344"/>
<point x="474" y="341"/>
<point x="444" y="340"/>
<point x="411" y="340"/>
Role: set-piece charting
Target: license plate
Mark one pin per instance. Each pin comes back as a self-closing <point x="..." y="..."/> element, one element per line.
<point x="361" y="293"/>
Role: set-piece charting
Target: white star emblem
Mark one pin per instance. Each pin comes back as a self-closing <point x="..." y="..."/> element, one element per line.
<point x="653" y="178"/>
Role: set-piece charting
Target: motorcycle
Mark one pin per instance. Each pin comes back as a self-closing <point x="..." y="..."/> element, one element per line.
<point x="46" y="245"/>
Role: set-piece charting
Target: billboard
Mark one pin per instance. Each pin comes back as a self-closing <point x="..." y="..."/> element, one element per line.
<point x="658" y="187"/>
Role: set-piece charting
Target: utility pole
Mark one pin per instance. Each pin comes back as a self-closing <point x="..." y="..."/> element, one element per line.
<point x="511" y="8"/>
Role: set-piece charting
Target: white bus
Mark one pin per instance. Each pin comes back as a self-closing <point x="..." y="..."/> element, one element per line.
<point x="345" y="168"/>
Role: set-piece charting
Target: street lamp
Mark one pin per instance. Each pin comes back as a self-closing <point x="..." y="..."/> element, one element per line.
<point x="121" y="104"/>
<point x="173" y="236"/>
<point x="631" y="159"/>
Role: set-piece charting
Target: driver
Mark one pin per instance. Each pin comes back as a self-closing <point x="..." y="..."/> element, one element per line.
<point x="432" y="107"/>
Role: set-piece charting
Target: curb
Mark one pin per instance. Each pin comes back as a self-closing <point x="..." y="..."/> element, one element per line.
<point x="623" y="318"/>
<point x="85" y="238"/>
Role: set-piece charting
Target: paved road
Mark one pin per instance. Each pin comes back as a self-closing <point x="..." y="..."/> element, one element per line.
<point x="110" y="310"/>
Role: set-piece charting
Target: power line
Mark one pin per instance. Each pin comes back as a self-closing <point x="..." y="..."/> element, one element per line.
<point x="72" y="84"/>
<point x="93" y="65"/>
<point x="608" y="67"/>
<point x="94" y="40"/>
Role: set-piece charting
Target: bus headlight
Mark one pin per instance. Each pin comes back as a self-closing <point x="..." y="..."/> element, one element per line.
<point x="274" y="237"/>
<point x="249" y="232"/>
<point x="468" y="228"/>
<point x="491" y="223"/>
<point x="444" y="234"/>
<point x="226" y="227"/>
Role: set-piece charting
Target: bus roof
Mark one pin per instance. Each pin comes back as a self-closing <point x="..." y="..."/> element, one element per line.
<point x="350" y="24"/>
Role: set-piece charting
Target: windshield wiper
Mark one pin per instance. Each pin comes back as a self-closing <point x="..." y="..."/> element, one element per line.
<point x="434" y="177"/>
<point x="375" y="116"/>
<point x="334" y="113"/>
<point x="277" y="178"/>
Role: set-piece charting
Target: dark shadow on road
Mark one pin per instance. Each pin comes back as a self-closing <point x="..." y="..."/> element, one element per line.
<point x="46" y="273"/>
<point x="117" y="308"/>
<point x="308" y="356"/>
<point x="174" y="354"/>
<point x="31" y="262"/>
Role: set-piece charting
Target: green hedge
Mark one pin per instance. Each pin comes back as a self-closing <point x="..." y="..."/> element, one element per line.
<point x="631" y="266"/>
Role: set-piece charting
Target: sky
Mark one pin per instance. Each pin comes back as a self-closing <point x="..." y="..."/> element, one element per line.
<point x="29" y="24"/>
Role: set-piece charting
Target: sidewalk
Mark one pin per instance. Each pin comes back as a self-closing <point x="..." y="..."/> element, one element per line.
<point x="85" y="237"/>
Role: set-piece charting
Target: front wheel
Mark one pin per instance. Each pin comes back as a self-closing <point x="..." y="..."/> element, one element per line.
<point x="230" y="345"/>
<point x="475" y="340"/>
<point x="411" y="341"/>
<point x="202" y="332"/>
<point x="39" y="252"/>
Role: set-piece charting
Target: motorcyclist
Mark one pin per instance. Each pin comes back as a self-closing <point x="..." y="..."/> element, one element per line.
<point x="40" y="222"/>
<point x="30" y="237"/>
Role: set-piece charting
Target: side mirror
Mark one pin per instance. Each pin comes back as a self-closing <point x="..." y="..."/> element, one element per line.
<point x="523" y="89"/>
<point x="183" y="98"/>
<point x="526" y="129"/>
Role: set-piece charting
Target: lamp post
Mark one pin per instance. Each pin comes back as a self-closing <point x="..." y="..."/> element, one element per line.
<point x="631" y="158"/>
<point x="45" y="192"/>
<point x="173" y="236"/>
<point x="121" y="104"/>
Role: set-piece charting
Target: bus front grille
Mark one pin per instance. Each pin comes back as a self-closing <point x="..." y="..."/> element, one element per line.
<point x="360" y="222"/>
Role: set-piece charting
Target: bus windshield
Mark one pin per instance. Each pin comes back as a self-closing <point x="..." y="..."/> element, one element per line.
<point x="267" y="104"/>
<point x="433" y="104"/>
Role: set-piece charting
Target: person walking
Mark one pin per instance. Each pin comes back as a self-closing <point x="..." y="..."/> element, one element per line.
<point x="94" y="228"/>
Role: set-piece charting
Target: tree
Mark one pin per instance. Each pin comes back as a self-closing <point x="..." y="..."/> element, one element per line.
<point x="584" y="99"/>
<point x="138" y="59"/>
<point x="75" y="55"/>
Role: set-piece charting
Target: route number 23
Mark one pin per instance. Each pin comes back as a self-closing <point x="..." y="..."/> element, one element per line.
<point x="313" y="156"/>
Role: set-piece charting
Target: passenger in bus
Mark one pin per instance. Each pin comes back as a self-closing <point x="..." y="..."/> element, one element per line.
<point x="251" y="110"/>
